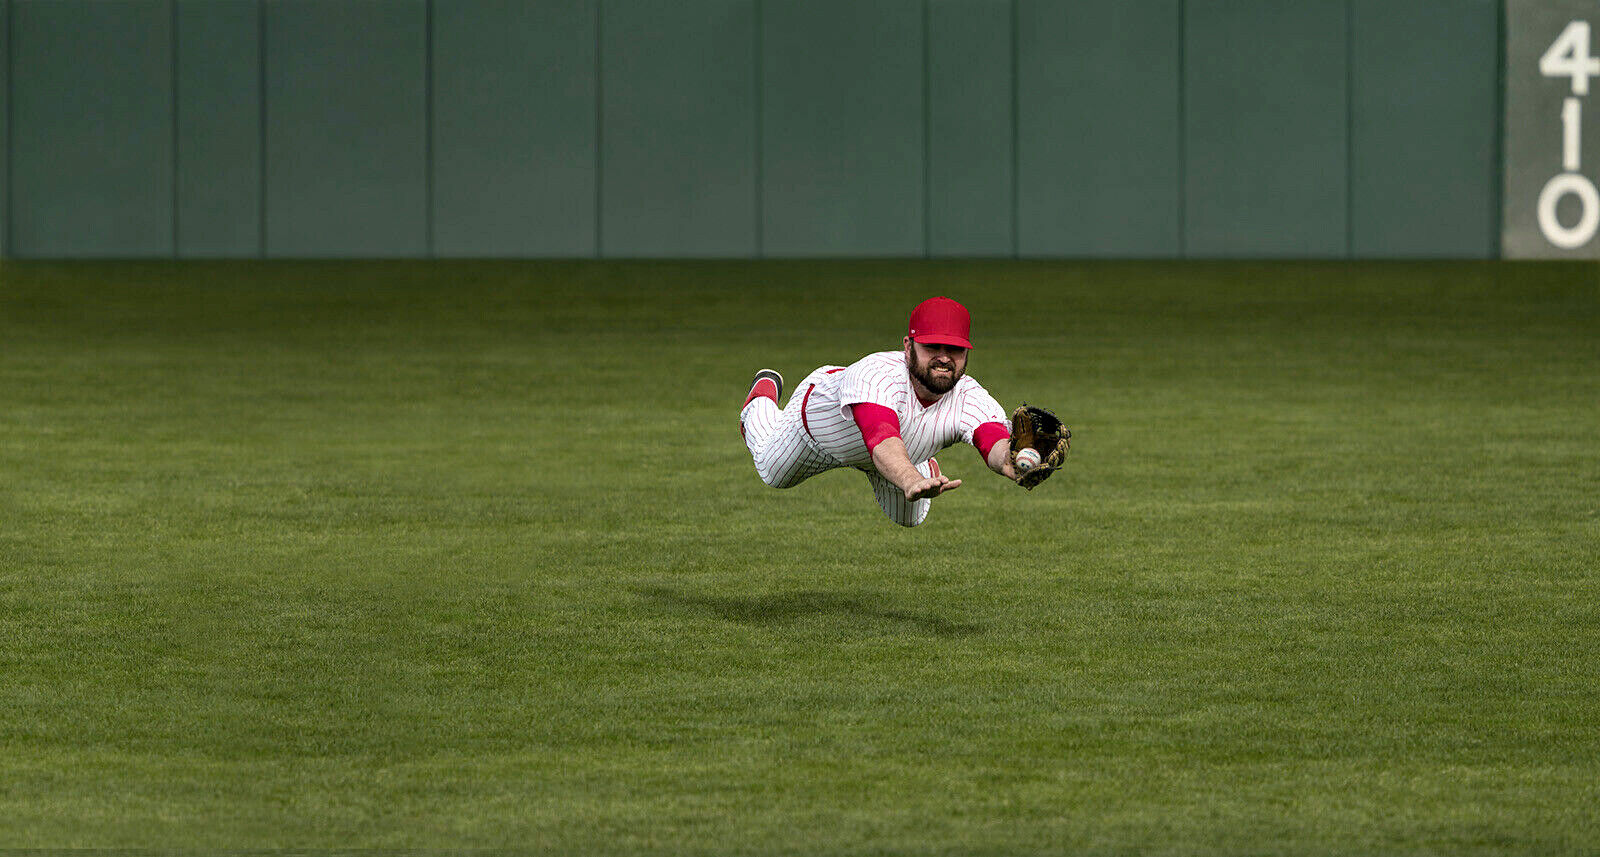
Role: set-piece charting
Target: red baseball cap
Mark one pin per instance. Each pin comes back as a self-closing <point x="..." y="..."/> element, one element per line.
<point x="941" y="321"/>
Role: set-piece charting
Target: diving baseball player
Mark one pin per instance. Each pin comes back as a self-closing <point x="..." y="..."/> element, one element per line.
<point x="888" y="413"/>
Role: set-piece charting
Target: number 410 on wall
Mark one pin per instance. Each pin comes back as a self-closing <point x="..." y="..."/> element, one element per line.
<point x="1568" y="56"/>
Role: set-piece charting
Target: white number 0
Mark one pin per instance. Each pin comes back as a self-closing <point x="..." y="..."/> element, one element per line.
<point x="1588" y="219"/>
<point x="1568" y="56"/>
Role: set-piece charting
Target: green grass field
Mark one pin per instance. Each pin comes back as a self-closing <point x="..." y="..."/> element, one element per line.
<point x="439" y="555"/>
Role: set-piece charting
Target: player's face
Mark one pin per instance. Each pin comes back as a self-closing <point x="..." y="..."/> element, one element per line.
<point x="937" y="367"/>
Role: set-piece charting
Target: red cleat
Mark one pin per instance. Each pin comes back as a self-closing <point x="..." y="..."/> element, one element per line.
<point x="766" y="383"/>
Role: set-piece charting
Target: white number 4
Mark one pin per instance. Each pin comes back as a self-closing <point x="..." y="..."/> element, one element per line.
<point x="1568" y="56"/>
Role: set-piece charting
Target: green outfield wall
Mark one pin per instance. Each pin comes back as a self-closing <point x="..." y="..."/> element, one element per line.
<point x="751" y="128"/>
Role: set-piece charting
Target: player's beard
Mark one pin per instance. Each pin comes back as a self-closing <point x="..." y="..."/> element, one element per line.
<point x="939" y="385"/>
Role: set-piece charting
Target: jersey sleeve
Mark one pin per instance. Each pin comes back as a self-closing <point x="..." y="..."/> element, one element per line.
<point x="877" y="423"/>
<point x="873" y="379"/>
<point x="977" y="408"/>
<point x="987" y="436"/>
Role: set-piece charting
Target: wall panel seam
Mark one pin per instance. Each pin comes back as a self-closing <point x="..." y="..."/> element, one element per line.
<point x="1497" y="178"/>
<point x="1349" y="129"/>
<point x="599" y="128"/>
<point x="759" y="46"/>
<point x="427" y="128"/>
<point x="172" y="23"/>
<point x="261" y="132"/>
<point x="927" y="133"/>
<point x="1183" y="129"/>
<point x="11" y="128"/>
<point x="1016" y="136"/>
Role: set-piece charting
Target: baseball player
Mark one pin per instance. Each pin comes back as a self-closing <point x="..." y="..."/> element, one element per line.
<point x="886" y="415"/>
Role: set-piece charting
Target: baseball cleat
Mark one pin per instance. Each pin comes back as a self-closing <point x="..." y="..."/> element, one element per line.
<point x="766" y="383"/>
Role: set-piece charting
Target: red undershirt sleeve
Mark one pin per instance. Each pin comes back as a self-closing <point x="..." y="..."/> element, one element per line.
<point x="987" y="435"/>
<point x="877" y="423"/>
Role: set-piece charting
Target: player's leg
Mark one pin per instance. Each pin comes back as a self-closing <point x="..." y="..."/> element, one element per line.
<point x="893" y="501"/>
<point x="776" y="437"/>
<point x="766" y="388"/>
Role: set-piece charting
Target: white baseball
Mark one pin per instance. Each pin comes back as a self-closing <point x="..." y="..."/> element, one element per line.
<point x="1027" y="459"/>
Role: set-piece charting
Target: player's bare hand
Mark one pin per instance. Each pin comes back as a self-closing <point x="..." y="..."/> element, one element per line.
<point x="932" y="486"/>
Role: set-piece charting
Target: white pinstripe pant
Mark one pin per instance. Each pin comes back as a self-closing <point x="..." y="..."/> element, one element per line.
<point x="785" y="456"/>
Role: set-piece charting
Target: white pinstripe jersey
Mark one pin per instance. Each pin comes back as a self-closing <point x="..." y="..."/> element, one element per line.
<point x="883" y="379"/>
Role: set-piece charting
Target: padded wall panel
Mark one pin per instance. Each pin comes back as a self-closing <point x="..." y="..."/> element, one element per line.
<point x="219" y="128"/>
<point x="842" y="128"/>
<point x="1099" y="128"/>
<point x="971" y="209"/>
<point x="92" y="144"/>
<point x="346" y="128"/>
<point x="1266" y="113"/>
<point x="678" y="139"/>
<point x="514" y="128"/>
<point x="1424" y="110"/>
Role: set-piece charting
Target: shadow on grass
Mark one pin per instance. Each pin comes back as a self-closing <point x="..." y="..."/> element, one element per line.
<point x="786" y="607"/>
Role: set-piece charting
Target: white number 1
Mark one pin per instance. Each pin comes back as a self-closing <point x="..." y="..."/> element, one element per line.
<point x="1568" y="56"/>
<point x="1571" y="120"/>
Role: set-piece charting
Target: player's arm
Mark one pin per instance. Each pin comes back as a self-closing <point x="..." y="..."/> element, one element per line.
<point x="880" y="429"/>
<point x="999" y="459"/>
<point x="997" y="438"/>
<point x="892" y="460"/>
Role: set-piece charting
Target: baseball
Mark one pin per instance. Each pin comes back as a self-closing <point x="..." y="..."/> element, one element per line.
<point x="1027" y="459"/>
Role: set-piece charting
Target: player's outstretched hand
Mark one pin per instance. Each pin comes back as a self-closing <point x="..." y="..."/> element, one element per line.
<point x="932" y="486"/>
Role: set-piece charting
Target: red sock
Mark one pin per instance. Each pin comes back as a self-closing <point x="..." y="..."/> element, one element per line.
<point x="764" y="387"/>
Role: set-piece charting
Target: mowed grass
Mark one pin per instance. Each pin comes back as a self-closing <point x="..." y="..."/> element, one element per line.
<point x="435" y="555"/>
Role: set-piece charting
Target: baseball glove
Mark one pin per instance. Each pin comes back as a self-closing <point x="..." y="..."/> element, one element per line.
<point x="1039" y="428"/>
